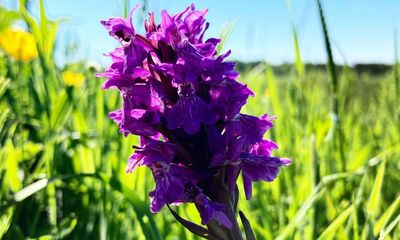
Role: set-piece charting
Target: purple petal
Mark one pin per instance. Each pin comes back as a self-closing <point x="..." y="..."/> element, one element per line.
<point x="232" y="173"/>
<point x="120" y="29"/>
<point x="264" y="148"/>
<point x="168" y="189"/>
<point x="171" y="182"/>
<point x="134" y="55"/>
<point x="189" y="112"/>
<point x="248" y="189"/>
<point x="153" y="152"/>
<point x="211" y="211"/>
<point x="255" y="168"/>
<point x="250" y="127"/>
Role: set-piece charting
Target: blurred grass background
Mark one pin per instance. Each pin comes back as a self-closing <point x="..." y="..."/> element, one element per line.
<point x="62" y="161"/>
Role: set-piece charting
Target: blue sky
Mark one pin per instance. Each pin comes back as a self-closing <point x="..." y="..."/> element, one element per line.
<point x="362" y="31"/>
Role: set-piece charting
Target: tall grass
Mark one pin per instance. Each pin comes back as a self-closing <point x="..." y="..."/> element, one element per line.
<point x="62" y="160"/>
<point x="339" y="138"/>
<point x="396" y="74"/>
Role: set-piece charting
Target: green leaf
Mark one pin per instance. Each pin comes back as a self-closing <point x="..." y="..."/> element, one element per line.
<point x="192" y="227"/>
<point x="66" y="226"/>
<point x="4" y="85"/>
<point x="7" y="17"/>
<point x="5" y="220"/>
<point x="141" y="210"/>
<point x="11" y="166"/>
<point x="374" y="199"/>
<point x="299" y="63"/>
<point x="3" y="117"/>
<point x="330" y="231"/>
<point x="45" y="237"/>
<point x="247" y="227"/>
<point x="386" y="231"/>
<point x="356" y="234"/>
<point x="300" y="215"/>
<point x="100" y="112"/>
<point x="224" y="35"/>
<point x="60" y="111"/>
<point x="311" y="200"/>
<point x="386" y="216"/>
<point x="28" y="151"/>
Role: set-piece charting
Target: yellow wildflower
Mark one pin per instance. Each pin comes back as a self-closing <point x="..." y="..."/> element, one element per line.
<point x="73" y="79"/>
<point x="18" y="44"/>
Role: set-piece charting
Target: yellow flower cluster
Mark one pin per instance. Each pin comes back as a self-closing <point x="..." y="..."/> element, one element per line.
<point x="18" y="44"/>
<point x="73" y="79"/>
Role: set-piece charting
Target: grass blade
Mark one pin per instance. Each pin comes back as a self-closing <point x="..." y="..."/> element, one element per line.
<point x="5" y="221"/>
<point x="224" y="35"/>
<point x="392" y="225"/>
<point x="298" y="63"/>
<point x="373" y="203"/>
<point x="330" y="231"/>
<point x="384" y="219"/>
<point x="335" y="87"/>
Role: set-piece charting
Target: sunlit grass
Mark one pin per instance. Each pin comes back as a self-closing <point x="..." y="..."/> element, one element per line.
<point x="62" y="161"/>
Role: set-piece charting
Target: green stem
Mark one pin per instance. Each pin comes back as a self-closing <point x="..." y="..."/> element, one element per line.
<point x="221" y="194"/>
<point x="51" y="189"/>
<point x="339" y="137"/>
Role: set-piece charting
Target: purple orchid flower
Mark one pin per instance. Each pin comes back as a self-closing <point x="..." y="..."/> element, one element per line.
<point x="171" y="182"/>
<point x="182" y="98"/>
<point x="211" y="211"/>
<point x="152" y="152"/>
<point x="189" y="112"/>
<point x="120" y="28"/>
<point x="230" y="96"/>
<point x="258" y="164"/>
<point x="140" y="113"/>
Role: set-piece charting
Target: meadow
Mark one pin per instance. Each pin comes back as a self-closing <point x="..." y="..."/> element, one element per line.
<point x="62" y="160"/>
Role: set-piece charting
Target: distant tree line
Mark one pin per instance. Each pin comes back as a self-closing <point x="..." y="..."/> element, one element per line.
<point x="372" y="69"/>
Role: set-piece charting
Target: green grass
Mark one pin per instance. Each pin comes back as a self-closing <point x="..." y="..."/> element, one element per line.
<point x="62" y="160"/>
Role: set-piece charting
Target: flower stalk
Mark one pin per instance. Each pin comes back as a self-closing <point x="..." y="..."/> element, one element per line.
<point x="222" y="194"/>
